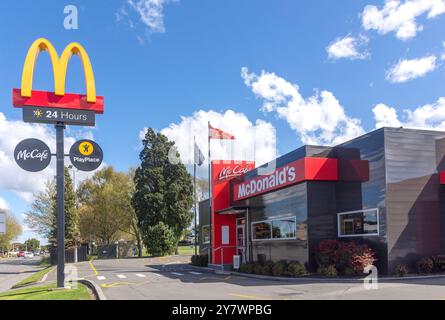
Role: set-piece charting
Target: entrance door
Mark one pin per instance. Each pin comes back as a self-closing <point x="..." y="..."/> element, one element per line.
<point x="240" y="241"/>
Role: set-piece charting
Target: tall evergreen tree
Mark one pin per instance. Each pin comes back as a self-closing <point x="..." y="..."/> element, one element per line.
<point x="163" y="188"/>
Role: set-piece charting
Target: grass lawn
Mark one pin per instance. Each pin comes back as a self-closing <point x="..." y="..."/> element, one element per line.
<point x="46" y="293"/>
<point x="35" y="277"/>
<point x="187" y="250"/>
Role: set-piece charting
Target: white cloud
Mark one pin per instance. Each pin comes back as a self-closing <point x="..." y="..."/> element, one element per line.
<point x="254" y="141"/>
<point x="429" y="116"/>
<point x="13" y="178"/>
<point x="319" y="119"/>
<point x="4" y="206"/>
<point x="401" y="16"/>
<point x="406" y="70"/>
<point x="348" y="47"/>
<point x="150" y="13"/>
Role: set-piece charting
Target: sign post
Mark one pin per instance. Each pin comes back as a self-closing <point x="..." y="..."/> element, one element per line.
<point x="58" y="108"/>
<point x="60" y="186"/>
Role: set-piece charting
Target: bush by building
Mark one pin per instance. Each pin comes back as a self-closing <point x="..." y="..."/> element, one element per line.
<point x="347" y="258"/>
<point x="401" y="270"/>
<point x="279" y="268"/>
<point x="201" y="260"/>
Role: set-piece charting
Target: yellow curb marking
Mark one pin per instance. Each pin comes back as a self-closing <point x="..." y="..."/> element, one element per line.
<point x="92" y="267"/>
<point x="116" y="284"/>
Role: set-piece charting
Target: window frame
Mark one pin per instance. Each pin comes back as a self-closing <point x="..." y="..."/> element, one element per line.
<point x="202" y="234"/>
<point x="339" y="214"/>
<point x="269" y="221"/>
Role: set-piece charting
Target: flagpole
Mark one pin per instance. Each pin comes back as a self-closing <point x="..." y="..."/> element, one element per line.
<point x="210" y="195"/>
<point x="194" y="194"/>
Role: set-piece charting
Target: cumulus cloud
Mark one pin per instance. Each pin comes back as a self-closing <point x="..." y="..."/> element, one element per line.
<point x="429" y="116"/>
<point x="254" y="141"/>
<point x="149" y="12"/>
<point x="4" y="206"/>
<point x="401" y="16"/>
<point x="348" y="47"/>
<point x="319" y="119"/>
<point x="13" y="178"/>
<point x="406" y="70"/>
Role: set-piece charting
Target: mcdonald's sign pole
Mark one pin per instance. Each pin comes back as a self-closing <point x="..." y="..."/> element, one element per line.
<point x="61" y="109"/>
<point x="60" y="204"/>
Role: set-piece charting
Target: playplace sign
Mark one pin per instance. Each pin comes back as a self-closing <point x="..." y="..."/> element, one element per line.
<point x="323" y="169"/>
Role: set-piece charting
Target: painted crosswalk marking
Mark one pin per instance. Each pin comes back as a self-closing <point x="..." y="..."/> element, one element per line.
<point x="101" y="278"/>
<point x="196" y="273"/>
<point x="140" y="275"/>
<point x="121" y="276"/>
<point x="177" y="274"/>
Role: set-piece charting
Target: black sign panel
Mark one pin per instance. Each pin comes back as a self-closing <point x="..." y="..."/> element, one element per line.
<point x="53" y="115"/>
<point x="32" y="155"/>
<point x="86" y="155"/>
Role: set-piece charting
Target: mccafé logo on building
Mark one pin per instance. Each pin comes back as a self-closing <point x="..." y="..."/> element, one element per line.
<point x="280" y="178"/>
<point x="229" y="172"/>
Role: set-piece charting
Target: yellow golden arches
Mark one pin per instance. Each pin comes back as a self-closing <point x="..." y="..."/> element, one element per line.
<point x="60" y="67"/>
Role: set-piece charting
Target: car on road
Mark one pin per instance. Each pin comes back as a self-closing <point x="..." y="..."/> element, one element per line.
<point x="36" y="253"/>
<point x="29" y="255"/>
<point x="21" y="254"/>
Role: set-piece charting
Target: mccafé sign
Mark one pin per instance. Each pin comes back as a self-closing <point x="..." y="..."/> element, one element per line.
<point x="294" y="172"/>
<point x="230" y="172"/>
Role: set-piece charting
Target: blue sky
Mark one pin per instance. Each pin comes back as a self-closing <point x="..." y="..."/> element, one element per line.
<point x="153" y="70"/>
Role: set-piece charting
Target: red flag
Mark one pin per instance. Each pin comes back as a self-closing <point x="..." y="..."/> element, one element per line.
<point x="215" y="133"/>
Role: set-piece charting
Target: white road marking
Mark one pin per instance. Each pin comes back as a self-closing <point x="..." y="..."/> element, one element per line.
<point x="177" y="274"/>
<point x="140" y="275"/>
<point x="196" y="273"/>
<point x="157" y="274"/>
<point x="101" y="278"/>
<point x="121" y="276"/>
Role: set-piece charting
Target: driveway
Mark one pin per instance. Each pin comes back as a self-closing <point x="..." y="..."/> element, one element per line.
<point x="13" y="270"/>
<point x="172" y="278"/>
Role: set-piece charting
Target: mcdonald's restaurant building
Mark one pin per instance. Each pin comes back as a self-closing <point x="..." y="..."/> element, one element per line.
<point x="385" y="188"/>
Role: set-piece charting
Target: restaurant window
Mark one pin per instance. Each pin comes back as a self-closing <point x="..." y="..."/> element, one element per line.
<point x="283" y="228"/>
<point x="205" y="233"/>
<point x="358" y="223"/>
<point x="274" y="229"/>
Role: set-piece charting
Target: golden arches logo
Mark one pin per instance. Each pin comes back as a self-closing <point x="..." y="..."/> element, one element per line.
<point x="60" y="66"/>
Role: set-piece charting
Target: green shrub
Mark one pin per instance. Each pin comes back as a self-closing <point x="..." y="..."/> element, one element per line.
<point x="279" y="268"/>
<point x="200" y="260"/>
<point x="347" y="257"/>
<point x="329" y="271"/>
<point x="439" y="263"/>
<point x="401" y="270"/>
<point x="246" y="267"/>
<point x="296" y="269"/>
<point x="159" y="240"/>
<point x="425" y="265"/>
<point x="267" y="268"/>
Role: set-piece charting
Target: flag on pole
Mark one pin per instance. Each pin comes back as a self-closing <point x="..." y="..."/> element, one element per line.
<point x="215" y="133"/>
<point x="199" y="156"/>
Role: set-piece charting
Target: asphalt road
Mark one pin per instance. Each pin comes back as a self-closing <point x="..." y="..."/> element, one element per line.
<point x="13" y="270"/>
<point x="172" y="278"/>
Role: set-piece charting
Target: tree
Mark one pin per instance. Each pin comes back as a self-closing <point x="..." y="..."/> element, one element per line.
<point x="164" y="190"/>
<point x="106" y="213"/>
<point x="13" y="230"/>
<point x="42" y="216"/>
<point x="160" y="240"/>
<point x="32" y="244"/>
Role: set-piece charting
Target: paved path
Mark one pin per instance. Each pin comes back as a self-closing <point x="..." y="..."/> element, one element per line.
<point x="13" y="270"/>
<point x="173" y="278"/>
